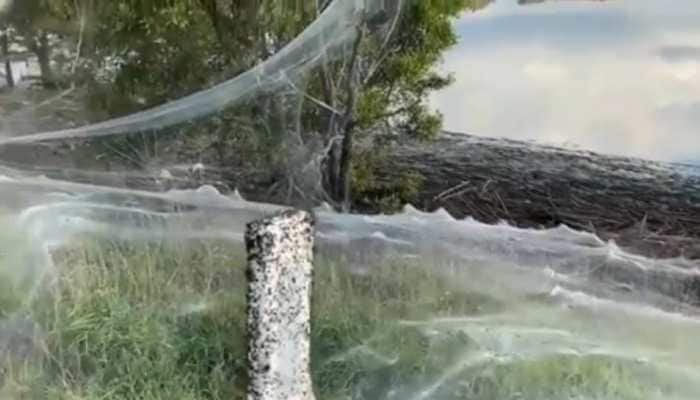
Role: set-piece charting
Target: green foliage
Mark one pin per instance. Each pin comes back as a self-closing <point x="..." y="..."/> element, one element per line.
<point x="161" y="321"/>
<point x="167" y="49"/>
<point x="137" y="54"/>
<point x="398" y="91"/>
<point x="155" y="63"/>
<point x="374" y="194"/>
<point x="36" y="25"/>
<point x="151" y="321"/>
<point x="158" y="321"/>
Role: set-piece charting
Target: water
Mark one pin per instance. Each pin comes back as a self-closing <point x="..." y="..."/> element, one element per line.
<point x="619" y="77"/>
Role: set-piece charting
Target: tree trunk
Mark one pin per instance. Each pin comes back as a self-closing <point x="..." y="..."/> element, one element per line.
<point x="345" y="171"/>
<point x="9" y="76"/>
<point x="43" y="53"/>
<point x="217" y="21"/>
<point x="347" y="128"/>
<point x="333" y="171"/>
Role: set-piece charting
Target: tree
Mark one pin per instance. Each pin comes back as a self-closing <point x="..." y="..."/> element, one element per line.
<point x="36" y="25"/>
<point x="391" y="91"/>
<point x="169" y="48"/>
<point x="5" y="48"/>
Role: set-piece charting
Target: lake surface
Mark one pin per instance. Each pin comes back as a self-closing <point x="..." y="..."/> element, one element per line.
<point x="618" y="77"/>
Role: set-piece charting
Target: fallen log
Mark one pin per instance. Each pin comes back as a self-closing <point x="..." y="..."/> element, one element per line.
<point x="649" y="207"/>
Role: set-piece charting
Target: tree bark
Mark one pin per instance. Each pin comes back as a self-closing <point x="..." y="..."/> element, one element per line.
<point x="347" y="128"/>
<point x="345" y="181"/>
<point x="332" y="170"/>
<point x="9" y="75"/>
<point x="43" y="52"/>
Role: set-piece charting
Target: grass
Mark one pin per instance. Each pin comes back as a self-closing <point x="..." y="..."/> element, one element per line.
<point x="166" y="321"/>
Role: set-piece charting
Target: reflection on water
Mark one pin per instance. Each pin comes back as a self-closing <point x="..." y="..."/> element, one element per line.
<point x="619" y="77"/>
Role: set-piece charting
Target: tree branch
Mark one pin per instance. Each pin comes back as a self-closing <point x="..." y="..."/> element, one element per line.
<point x="348" y="124"/>
<point x="385" y="50"/>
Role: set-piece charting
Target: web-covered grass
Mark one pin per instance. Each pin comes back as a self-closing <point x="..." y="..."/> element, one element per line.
<point x="167" y="320"/>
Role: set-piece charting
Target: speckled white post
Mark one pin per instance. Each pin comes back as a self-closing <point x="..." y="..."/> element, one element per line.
<point x="280" y="253"/>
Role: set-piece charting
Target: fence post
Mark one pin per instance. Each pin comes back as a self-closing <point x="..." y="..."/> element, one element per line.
<point x="280" y="253"/>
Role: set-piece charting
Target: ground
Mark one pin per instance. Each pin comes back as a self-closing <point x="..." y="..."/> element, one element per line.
<point x="166" y="320"/>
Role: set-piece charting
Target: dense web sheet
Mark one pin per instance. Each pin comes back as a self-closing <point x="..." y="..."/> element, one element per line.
<point x="333" y="29"/>
<point x="533" y="314"/>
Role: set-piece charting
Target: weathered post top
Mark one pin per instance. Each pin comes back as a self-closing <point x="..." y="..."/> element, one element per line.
<point x="280" y="252"/>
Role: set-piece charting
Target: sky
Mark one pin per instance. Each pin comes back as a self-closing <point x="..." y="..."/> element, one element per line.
<point x="619" y="77"/>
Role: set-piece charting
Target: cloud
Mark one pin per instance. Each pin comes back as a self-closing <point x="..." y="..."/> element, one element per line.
<point x="619" y="105"/>
<point x="545" y="71"/>
<point x="679" y="53"/>
<point x="689" y="111"/>
<point x="569" y="29"/>
<point x="616" y="96"/>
